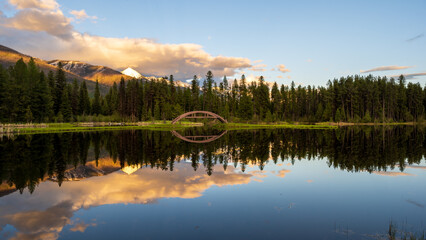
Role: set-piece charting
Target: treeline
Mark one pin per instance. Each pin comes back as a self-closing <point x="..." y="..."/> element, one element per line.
<point x="26" y="95"/>
<point x="28" y="159"/>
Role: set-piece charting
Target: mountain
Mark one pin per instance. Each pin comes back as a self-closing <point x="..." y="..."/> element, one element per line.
<point x="8" y="57"/>
<point x="131" y="73"/>
<point x="104" y="75"/>
<point x="79" y="70"/>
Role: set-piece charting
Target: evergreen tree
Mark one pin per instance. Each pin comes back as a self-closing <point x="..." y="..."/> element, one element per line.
<point x="96" y="106"/>
<point x="65" y="108"/>
<point x="75" y="98"/>
<point x="122" y="97"/>
<point x="195" y="90"/>
<point x="60" y="85"/>
<point x="157" y="113"/>
<point x="42" y="104"/>
<point x="84" y="101"/>
<point x="28" y="115"/>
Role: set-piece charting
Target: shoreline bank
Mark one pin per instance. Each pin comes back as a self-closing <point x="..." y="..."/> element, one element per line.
<point x="166" y="126"/>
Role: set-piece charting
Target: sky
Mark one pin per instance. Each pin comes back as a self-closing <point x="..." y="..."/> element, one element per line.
<point x="308" y="42"/>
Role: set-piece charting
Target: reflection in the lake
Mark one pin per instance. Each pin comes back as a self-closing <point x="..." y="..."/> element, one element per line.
<point x="199" y="139"/>
<point x="49" y="182"/>
<point x="27" y="160"/>
<point x="142" y="186"/>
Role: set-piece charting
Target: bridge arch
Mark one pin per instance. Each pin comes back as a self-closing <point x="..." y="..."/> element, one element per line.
<point x="199" y="114"/>
<point x="199" y="139"/>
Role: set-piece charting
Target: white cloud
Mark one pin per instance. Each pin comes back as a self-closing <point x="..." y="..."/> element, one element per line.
<point x="37" y="20"/>
<point x="282" y="68"/>
<point x="47" y="216"/>
<point x="39" y="28"/>
<point x="82" y="15"/>
<point x="410" y="75"/>
<point x="258" y="68"/>
<point x="385" y="68"/>
<point x="39" y="4"/>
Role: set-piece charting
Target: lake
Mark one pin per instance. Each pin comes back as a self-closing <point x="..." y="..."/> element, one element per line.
<point x="347" y="183"/>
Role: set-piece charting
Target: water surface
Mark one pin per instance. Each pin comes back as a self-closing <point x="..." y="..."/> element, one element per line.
<point x="348" y="183"/>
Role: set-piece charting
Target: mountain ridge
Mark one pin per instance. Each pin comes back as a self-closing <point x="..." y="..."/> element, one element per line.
<point x="9" y="57"/>
<point x="102" y="74"/>
<point x="75" y="69"/>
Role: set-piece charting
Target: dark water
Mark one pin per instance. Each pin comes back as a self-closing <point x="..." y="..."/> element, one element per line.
<point x="349" y="183"/>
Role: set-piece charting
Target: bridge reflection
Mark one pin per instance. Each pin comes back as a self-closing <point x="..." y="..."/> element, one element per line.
<point x="199" y="139"/>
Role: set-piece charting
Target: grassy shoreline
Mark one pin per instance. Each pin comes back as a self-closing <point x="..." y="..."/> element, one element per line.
<point x="95" y="126"/>
<point x="167" y="126"/>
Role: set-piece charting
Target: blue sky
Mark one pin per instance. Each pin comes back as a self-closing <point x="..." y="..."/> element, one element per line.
<point x="316" y="41"/>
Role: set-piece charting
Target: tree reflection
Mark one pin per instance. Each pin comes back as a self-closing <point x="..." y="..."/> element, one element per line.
<point x="27" y="160"/>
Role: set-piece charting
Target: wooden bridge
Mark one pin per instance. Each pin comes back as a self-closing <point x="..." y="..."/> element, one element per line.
<point x="199" y="114"/>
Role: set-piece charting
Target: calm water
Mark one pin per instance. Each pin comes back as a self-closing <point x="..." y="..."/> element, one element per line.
<point x="263" y="184"/>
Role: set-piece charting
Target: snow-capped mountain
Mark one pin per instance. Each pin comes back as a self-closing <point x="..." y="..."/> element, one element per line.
<point x="131" y="73"/>
<point x="104" y="75"/>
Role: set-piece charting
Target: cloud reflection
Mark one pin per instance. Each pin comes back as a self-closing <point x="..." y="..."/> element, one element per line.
<point x="44" y="214"/>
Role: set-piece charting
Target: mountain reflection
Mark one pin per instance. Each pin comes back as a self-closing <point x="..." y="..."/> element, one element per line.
<point x="28" y="160"/>
<point x="48" y="214"/>
<point x="141" y="167"/>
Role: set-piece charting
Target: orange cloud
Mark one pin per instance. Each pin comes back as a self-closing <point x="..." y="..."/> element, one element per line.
<point x="282" y="68"/>
<point x="258" y="68"/>
<point x="43" y="22"/>
<point x="81" y="227"/>
<point x="392" y="174"/>
<point x="282" y="173"/>
<point x="82" y="15"/>
<point x="40" y="4"/>
<point x="37" y="20"/>
<point x="48" y="215"/>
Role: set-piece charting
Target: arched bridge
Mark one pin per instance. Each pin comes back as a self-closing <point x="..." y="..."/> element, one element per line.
<point x="198" y="139"/>
<point x="199" y="114"/>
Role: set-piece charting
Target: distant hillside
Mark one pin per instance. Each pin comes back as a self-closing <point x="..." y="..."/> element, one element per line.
<point x="104" y="75"/>
<point x="77" y="70"/>
<point x="8" y="57"/>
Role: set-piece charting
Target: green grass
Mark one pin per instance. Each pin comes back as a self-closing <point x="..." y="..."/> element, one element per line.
<point x="244" y="126"/>
<point x="167" y="126"/>
<point x="76" y="127"/>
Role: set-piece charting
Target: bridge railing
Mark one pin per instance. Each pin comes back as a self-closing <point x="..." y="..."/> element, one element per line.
<point x="193" y="114"/>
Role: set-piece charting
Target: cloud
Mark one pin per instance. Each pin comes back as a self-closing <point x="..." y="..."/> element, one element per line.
<point x="39" y="4"/>
<point x="385" y="68"/>
<point x="415" y="38"/>
<point x="36" y="20"/>
<point x="309" y="60"/>
<point x="258" y="68"/>
<point x="282" y="68"/>
<point x="44" y="217"/>
<point x="39" y="16"/>
<point x="392" y="174"/>
<point x="282" y="173"/>
<point x="81" y="227"/>
<point x="82" y="15"/>
<point x="39" y="28"/>
<point x="410" y="75"/>
<point x="40" y="224"/>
